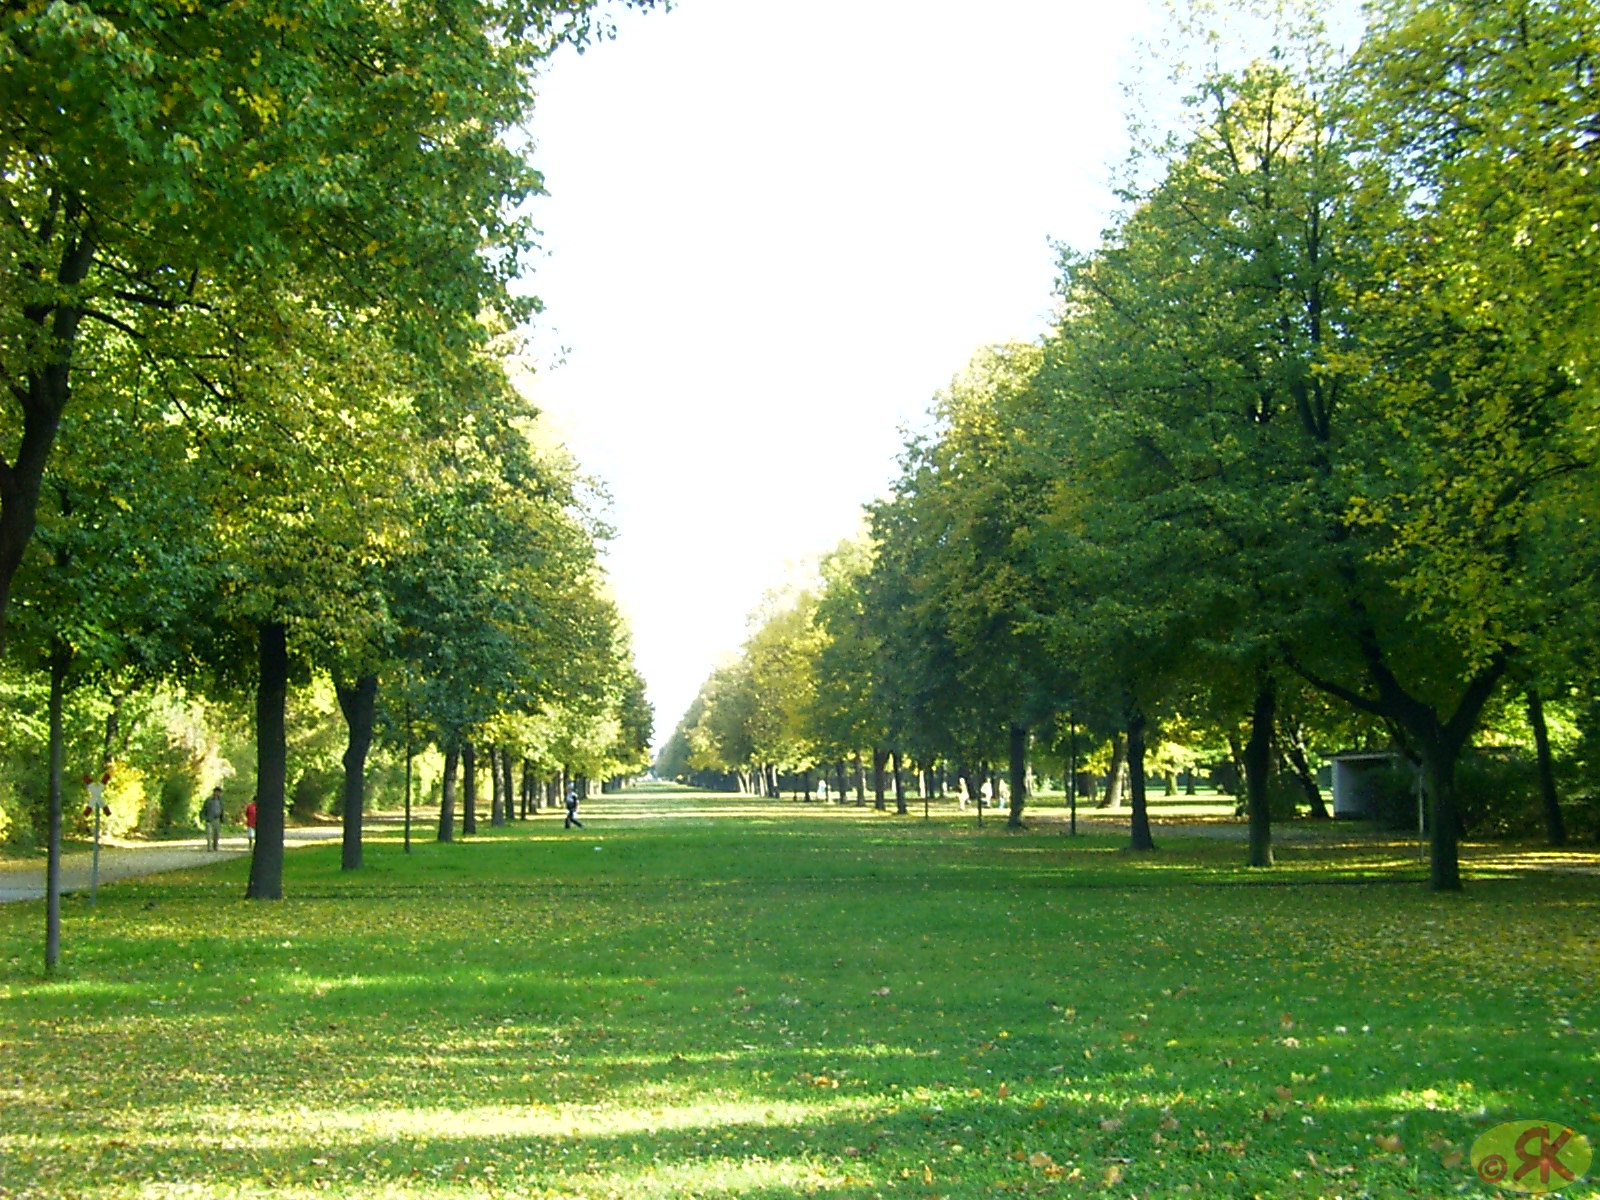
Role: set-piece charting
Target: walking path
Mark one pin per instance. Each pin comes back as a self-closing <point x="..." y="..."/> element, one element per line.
<point x="127" y="860"/>
<point x="130" y="859"/>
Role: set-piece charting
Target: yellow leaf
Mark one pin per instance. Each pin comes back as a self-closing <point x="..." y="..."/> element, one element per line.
<point x="1112" y="1177"/>
<point x="1039" y="1159"/>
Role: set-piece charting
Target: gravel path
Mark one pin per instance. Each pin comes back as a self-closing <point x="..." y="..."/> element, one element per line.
<point x="128" y="860"/>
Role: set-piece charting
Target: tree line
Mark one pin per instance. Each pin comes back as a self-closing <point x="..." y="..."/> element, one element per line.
<point x="260" y="425"/>
<point x="1307" y="458"/>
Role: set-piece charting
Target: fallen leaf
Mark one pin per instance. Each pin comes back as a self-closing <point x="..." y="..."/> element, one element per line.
<point x="1452" y="1160"/>
<point x="1389" y="1143"/>
<point x="1004" y="1091"/>
<point x="1039" y="1159"/>
<point x="1286" y="1022"/>
<point x="1284" y="1093"/>
<point x="1112" y="1177"/>
<point x="883" y="991"/>
<point x="1110" y="1124"/>
<point x="1169" y="1124"/>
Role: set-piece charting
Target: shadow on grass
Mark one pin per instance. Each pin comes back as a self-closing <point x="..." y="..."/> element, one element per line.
<point x="779" y="1010"/>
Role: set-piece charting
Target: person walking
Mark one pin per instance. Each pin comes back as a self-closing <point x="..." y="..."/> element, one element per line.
<point x="250" y="824"/>
<point x="572" y="809"/>
<point x="212" y="813"/>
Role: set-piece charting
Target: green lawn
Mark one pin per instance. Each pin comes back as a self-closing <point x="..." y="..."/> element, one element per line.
<point x="702" y="996"/>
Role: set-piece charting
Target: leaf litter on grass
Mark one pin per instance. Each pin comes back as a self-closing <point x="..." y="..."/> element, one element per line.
<point x="535" y="1027"/>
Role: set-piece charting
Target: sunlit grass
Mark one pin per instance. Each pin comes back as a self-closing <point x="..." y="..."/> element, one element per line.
<point x="741" y="998"/>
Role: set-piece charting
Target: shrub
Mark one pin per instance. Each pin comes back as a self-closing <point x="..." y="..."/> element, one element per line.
<point x="178" y="808"/>
<point x="314" y="793"/>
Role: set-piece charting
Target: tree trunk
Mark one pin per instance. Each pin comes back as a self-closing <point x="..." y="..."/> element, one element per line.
<point x="1439" y="743"/>
<point x="879" y="758"/>
<point x="1116" y="776"/>
<point x="861" y="782"/>
<point x="60" y="661"/>
<point x="1236" y="765"/>
<point x="1019" y="774"/>
<point x="502" y="785"/>
<point x="530" y="790"/>
<point x="469" y="788"/>
<point x="842" y="796"/>
<point x="1439" y="777"/>
<point x="1258" y="771"/>
<point x="42" y="400"/>
<point x="1292" y="741"/>
<point x="447" y="790"/>
<point x="899" y="785"/>
<point x="272" y="762"/>
<point x="1141" y="818"/>
<point x="497" y="799"/>
<point x="359" y="705"/>
<point x="1555" y="829"/>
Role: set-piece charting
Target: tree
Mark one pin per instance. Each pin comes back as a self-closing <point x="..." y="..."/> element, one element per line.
<point x="160" y="156"/>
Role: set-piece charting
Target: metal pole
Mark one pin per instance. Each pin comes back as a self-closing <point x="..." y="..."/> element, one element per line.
<point x="94" y="871"/>
<point x="1072" y="771"/>
<point x="1422" y="843"/>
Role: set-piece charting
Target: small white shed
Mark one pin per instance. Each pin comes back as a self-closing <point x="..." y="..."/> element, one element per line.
<point x="1355" y="780"/>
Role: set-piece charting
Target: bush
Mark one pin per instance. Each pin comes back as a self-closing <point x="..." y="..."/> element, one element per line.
<point x="1284" y="796"/>
<point x="1498" y="790"/>
<point x="314" y="793"/>
<point x="1394" y="797"/>
<point x="178" y="808"/>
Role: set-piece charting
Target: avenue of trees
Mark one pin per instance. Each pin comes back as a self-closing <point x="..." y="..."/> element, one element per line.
<point x="264" y="471"/>
<point x="1307" y="462"/>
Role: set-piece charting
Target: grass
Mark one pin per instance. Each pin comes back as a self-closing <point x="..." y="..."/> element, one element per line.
<point x="698" y="996"/>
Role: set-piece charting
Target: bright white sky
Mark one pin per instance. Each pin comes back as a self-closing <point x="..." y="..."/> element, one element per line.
<point x="775" y="228"/>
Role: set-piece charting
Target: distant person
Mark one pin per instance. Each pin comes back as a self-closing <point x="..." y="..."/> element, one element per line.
<point x="211" y="812"/>
<point x="250" y="824"/>
<point x="822" y="790"/>
<point x="572" y="809"/>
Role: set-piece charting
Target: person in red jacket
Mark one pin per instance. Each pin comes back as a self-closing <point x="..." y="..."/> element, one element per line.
<point x="250" y="823"/>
